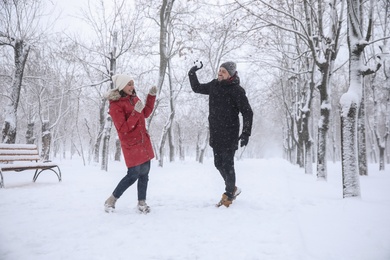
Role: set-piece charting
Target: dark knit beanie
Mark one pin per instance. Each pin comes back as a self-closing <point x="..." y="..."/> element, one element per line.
<point x="230" y="67"/>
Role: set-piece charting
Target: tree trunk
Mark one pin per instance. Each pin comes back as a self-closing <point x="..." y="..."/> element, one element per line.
<point x="321" y="144"/>
<point x="106" y="143"/>
<point x="203" y="148"/>
<point x="46" y="140"/>
<point x="308" y="157"/>
<point x="197" y="153"/>
<point x="181" y="148"/>
<point x="167" y="130"/>
<point x="334" y="146"/>
<point x="165" y="17"/>
<point x="351" y="185"/>
<point x="11" y="109"/>
<point x="163" y="139"/>
<point x="108" y="123"/>
<point x="63" y="148"/>
<point x="172" y="108"/>
<point x="323" y="124"/>
<point x="288" y="147"/>
<point x="30" y="138"/>
<point x="381" y="158"/>
<point x="362" y="150"/>
<point x="388" y="153"/>
<point x="300" y="153"/>
<point x="307" y="142"/>
<point x="102" y="117"/>
<point x="380" y="143"/>
<point x="292" y="142"/>
<point x="171" y="145"/>
<point x="350" y="101"/>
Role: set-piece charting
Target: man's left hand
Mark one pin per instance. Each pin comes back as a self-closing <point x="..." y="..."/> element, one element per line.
<point x="244" y="138"/>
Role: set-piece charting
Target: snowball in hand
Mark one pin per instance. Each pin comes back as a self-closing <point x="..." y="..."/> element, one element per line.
<point x="198" y="64"/>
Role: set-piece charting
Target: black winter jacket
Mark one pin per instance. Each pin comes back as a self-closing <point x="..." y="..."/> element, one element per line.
<point x="226" y="100"/>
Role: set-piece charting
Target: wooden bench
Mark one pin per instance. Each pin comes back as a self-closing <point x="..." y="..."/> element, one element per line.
<point x="20" y="157"/>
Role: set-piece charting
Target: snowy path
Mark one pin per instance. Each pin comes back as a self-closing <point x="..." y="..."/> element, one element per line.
<point x="281" y="214"/>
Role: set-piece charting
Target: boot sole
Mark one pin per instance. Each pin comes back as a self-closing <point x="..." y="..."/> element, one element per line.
<point x="109" y="209"/>
<point x="144" y="211"/>
<point x="219" y="204"/>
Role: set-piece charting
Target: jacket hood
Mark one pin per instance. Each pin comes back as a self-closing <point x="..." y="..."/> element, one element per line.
<point x="112" y="94"/>
<point x="115" y="94"/>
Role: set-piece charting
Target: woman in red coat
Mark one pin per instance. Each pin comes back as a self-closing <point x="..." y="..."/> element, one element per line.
<point x="128" y="114"/>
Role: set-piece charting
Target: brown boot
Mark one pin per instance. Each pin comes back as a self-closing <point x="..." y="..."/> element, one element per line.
<point x="226" y="201"/>
<point x="109" y="205"/>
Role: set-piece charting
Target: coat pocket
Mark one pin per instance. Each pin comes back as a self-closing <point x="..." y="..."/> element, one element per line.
<point x="131" y="139"/>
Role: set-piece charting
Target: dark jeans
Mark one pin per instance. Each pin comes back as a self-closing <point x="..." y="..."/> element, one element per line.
<point x="224" y="162"/>
<point x="140" y="173"/>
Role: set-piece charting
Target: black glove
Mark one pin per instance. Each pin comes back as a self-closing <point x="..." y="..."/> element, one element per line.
<point x="244" y="139"/>
<point x="198" y="66"/>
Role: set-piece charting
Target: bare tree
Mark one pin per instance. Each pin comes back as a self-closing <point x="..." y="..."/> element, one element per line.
<point x="381" y="87"/>
<point x="309" y="21"/>
<point x="350" y="101"/>
<point x="18" y="29"/>
<point x="171" y="43"/>
<point x="21" y="29"/>
<point x="381" y="118"/>
<point x="165" y="56"/>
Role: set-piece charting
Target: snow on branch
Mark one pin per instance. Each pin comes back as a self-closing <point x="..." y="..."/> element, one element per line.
<point x="378" y="40"/>
<point x="4" y="35"/>
<point x="304" y="37"/>
<point x="368" y="70"/>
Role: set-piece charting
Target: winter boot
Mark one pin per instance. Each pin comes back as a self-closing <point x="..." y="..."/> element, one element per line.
<point x="109" y="205"/>
<point x="143" y="207"/>
<point x="226" y="201"/>
<point x="237" y="191"/>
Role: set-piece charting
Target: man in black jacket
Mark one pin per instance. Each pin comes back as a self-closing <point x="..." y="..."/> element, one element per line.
<point x="226" y="100"/>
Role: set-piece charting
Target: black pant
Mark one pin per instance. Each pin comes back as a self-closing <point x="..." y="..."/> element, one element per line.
<point x="224" y="162"/>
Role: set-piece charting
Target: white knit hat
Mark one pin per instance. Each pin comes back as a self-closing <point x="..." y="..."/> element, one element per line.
<point x="120" y="81"/>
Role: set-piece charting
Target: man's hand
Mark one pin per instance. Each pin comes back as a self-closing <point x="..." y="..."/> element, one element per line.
<point x="244" y="138"/>
<point x="198" y="66"/>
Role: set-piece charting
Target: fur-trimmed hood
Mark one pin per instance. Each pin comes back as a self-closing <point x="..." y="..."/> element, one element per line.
<point x="115" y="94"/>
<point x="112" y="94"/>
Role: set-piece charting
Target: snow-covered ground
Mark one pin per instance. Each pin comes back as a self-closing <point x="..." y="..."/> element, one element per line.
<point x="282" y="214"/>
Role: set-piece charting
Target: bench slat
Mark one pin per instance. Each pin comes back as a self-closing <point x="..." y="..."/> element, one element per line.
<point x="17" y="152"/>
<point x="18" y="146"/>
<point x="5" y="158"/>
<point x="26" y="164"/>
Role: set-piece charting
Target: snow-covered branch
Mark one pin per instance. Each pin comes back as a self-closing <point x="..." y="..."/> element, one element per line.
<point x="368" y="70"/>
<point x="277" y="25"/>
<point x="378" y="40"/>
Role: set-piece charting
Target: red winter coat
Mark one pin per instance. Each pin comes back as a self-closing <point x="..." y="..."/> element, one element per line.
<point x="134" y="138"/>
